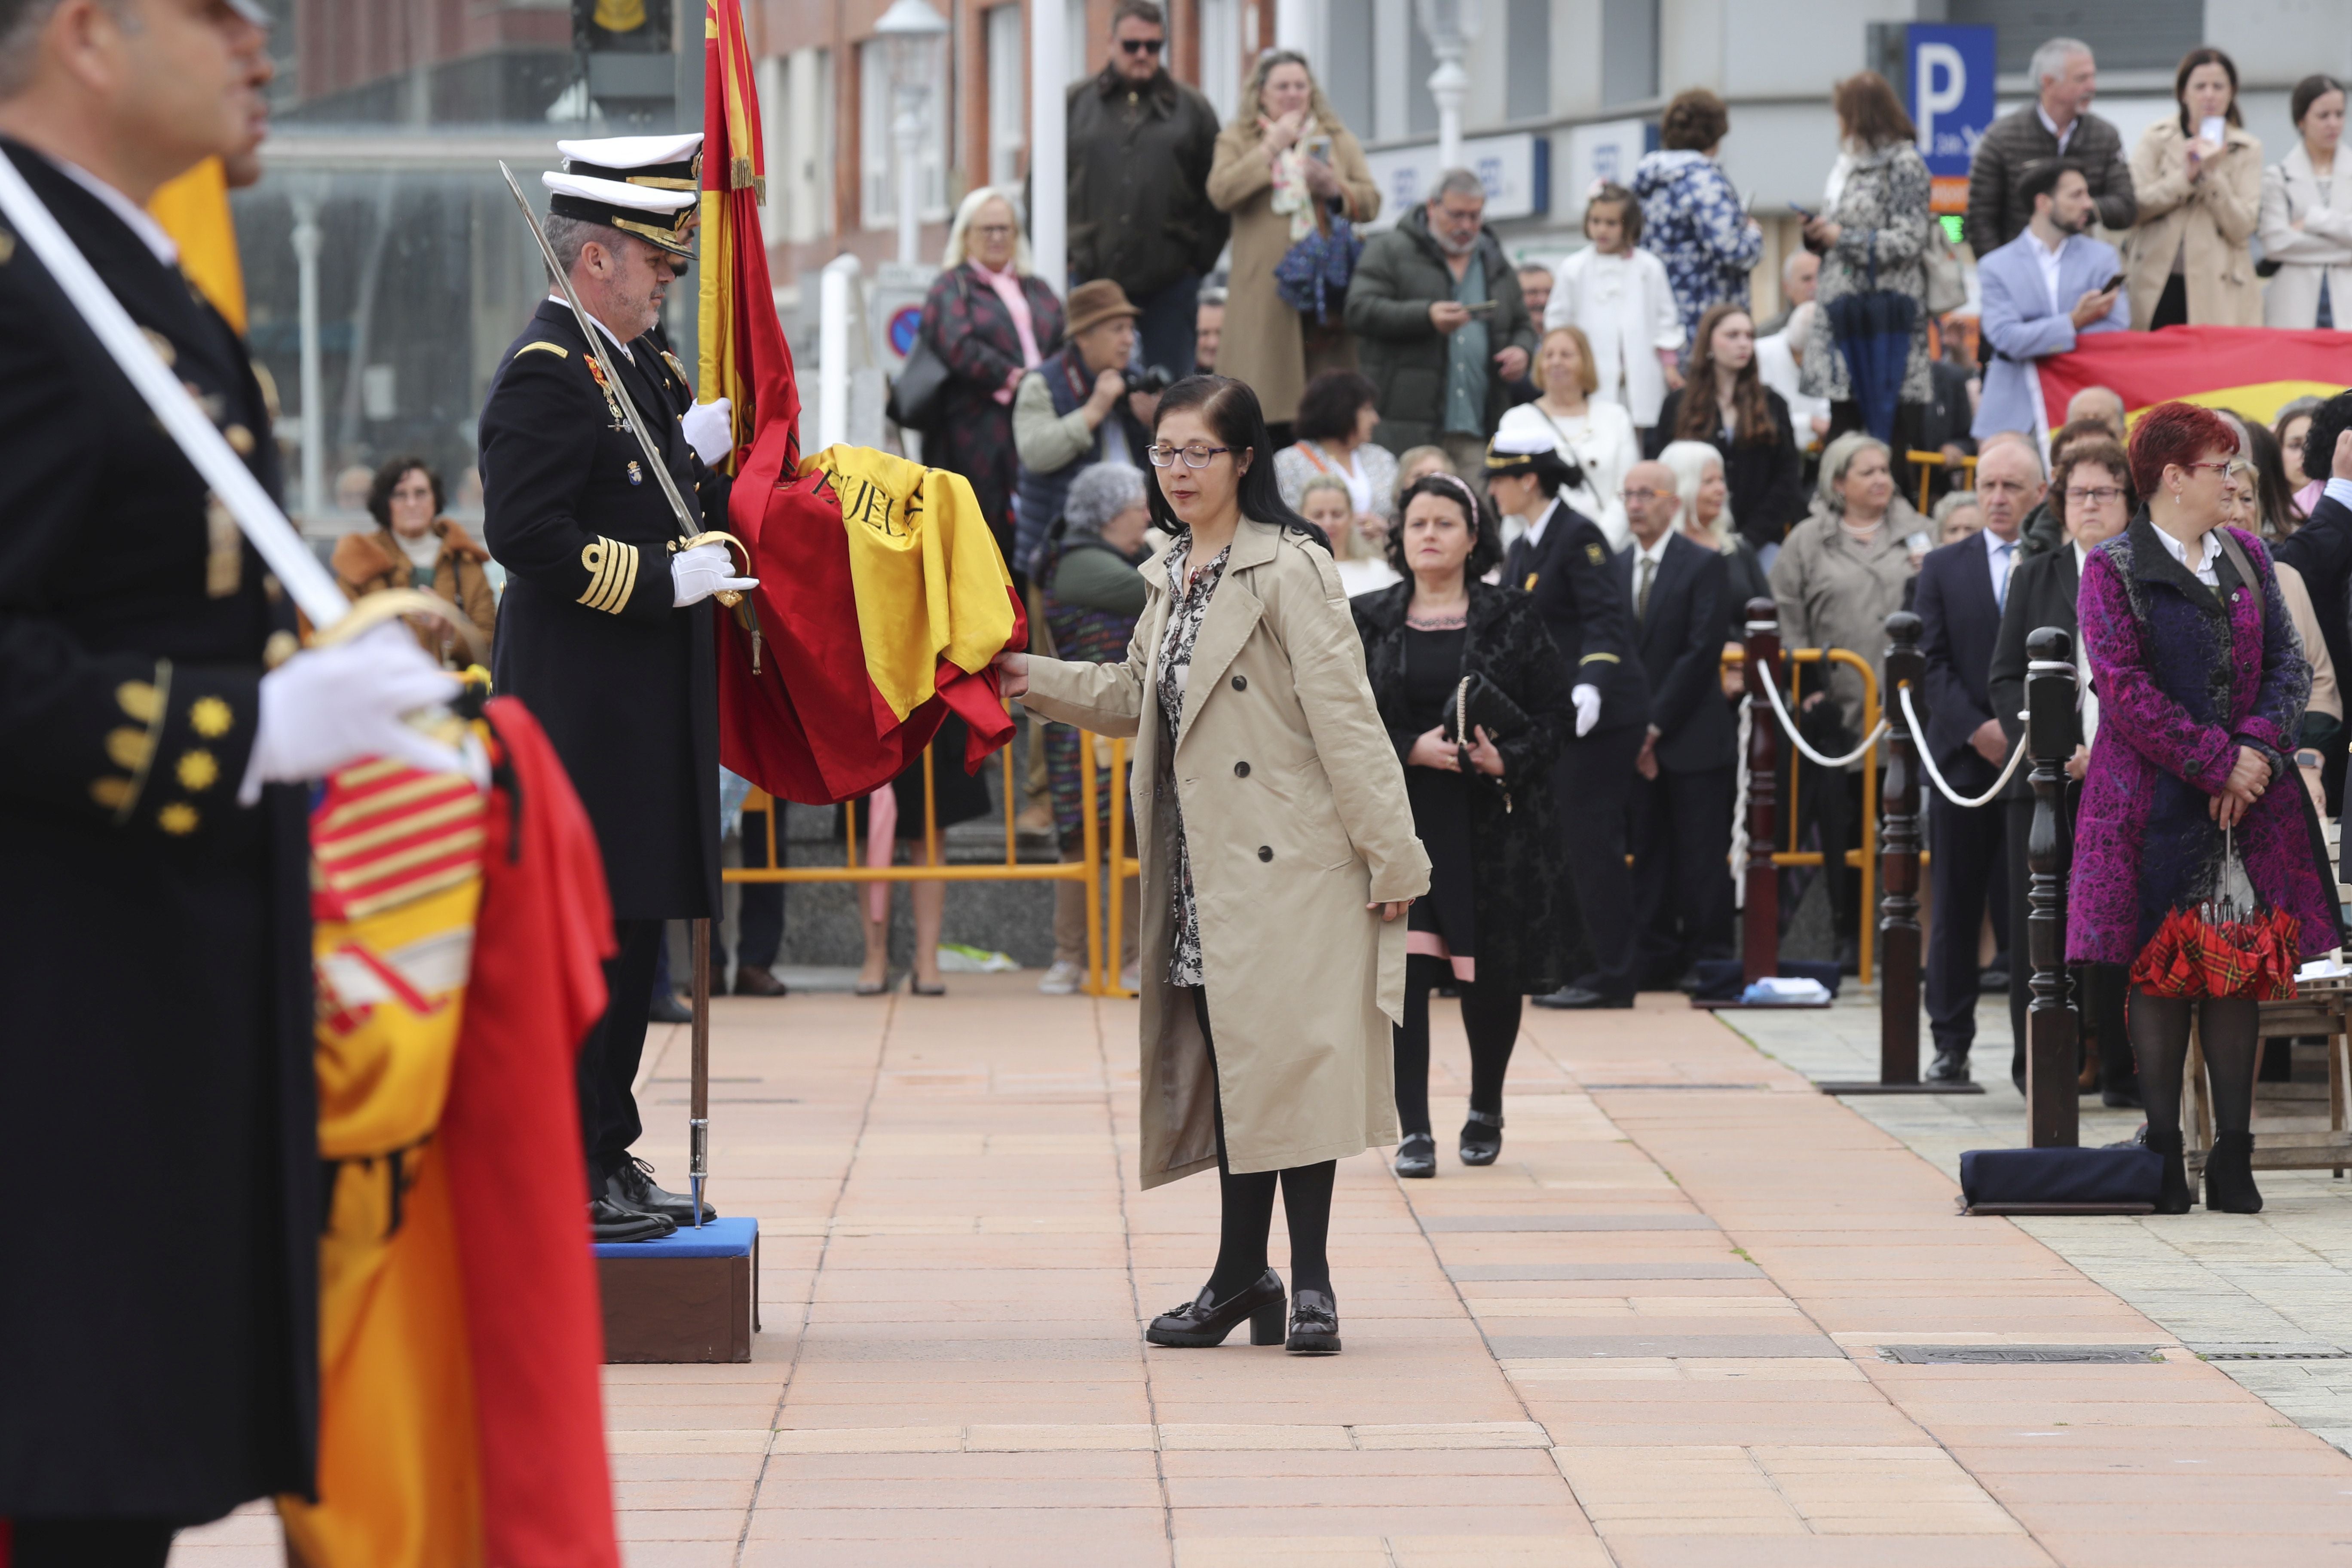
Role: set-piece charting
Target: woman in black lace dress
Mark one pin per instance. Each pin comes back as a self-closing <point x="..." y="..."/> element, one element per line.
<point x="1499" y="921"/>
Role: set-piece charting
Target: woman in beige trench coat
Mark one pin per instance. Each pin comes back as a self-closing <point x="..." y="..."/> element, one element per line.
<point x="1266" y="174"/>
<point x="1278" y="857"/>
<point x="2187" y="260"/>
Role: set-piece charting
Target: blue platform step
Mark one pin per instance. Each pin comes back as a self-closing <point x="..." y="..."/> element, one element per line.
<point x="693" y="1296"/>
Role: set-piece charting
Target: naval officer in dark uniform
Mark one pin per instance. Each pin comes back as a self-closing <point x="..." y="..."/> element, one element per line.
<point x="605" y="630"/>
<point x="1564" y="562"/>
<point x="163" y="1354"/>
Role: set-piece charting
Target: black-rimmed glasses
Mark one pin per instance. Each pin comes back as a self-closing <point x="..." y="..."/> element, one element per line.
<point x="1195" y="456"/>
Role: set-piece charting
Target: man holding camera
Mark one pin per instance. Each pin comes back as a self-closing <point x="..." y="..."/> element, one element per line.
<point x="1080" y="408"/>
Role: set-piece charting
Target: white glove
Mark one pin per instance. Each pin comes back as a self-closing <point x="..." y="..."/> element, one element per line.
<point x="1588" y="708"/>
<point x="695" y="575"/>
<point x="709" y="430"/>
<point x="329" y="707"/>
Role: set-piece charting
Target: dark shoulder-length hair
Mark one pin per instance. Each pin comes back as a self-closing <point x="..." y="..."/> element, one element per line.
<point x="388" y="477"/>
<point x="1751" y="415"/>
<point x="1869" y="113"/>
<point x="1231" y="409"/>
<point x="1327" y="408"/>
<point x="2207" y="56"/>
<point x="1486" y="532"/>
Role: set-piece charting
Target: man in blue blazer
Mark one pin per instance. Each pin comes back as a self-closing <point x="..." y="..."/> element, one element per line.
<point x="2042" y="290"/>
<point x="1962" y="589"/>
<point x="1678" y="815"/>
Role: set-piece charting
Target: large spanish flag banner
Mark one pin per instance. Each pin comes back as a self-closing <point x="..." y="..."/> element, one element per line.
<point x="2250" y="370"/>
<point x="882" y="595"/>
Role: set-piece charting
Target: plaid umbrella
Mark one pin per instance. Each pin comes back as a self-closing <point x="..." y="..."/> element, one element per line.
<point x="2217" y="950"/>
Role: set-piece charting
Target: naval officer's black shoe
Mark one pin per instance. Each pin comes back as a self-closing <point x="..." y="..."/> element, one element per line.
<point x="667" y="1009"/>
<point x="632" y="1187"/>
<point x="609" y="1221"/>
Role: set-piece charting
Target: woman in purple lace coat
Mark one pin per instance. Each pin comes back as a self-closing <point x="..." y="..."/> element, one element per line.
<point x="2200" y="684"/>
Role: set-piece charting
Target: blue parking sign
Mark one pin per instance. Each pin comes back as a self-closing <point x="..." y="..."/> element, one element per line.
<point x="1951" y="72"/>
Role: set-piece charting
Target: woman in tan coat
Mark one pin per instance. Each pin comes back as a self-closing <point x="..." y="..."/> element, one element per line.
<point x="414" y="546"/>
<point x="1278" y="857"/>
<point x="2198" y="177"/>
<point x="1285" y="158"/>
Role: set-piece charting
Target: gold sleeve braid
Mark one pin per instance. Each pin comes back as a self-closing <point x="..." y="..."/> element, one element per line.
<point x="611" y="568"/>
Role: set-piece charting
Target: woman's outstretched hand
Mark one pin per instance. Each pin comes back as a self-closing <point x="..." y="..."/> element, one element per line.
<point x="1392" y="910"/>
<point x="1012" y="674"/>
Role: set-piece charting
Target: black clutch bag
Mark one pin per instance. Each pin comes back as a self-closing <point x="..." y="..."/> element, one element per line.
<point x="1480" y="704"/>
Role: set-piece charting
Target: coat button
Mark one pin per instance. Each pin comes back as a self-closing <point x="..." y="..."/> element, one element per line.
<point x="1241" y="683"/>
<point x="1240" y="770"/>
<point x="1265" y="852"/>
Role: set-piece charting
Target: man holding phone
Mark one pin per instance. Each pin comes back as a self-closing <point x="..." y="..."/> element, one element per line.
<point x="1436" y="309"/>
<point x="2042" y="290"/>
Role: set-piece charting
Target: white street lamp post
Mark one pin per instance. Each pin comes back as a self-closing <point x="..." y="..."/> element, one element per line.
<point x="911" y="31"/>
<point x="1451" y="27"/>
<point x="1049" y="168"/>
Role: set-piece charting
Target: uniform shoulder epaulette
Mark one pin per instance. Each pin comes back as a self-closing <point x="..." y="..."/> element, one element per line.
<point x="557" y="350"/>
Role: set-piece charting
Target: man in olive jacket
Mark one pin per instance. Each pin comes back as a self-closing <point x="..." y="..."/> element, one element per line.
<point x="1440" y="325"/>
<point x="1140" y="143"/>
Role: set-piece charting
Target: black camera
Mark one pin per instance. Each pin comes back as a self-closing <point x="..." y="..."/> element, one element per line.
<point x="1151" y="378"/>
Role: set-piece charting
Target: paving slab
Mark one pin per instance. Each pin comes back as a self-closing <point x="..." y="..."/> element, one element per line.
<point x="1649" y="1336"/>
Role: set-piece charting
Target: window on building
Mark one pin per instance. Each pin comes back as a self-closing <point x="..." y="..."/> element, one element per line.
<point x="1629" y="50"/>
<point x="1348" y="72"/>
<point x="1007" y="107"/>
<point x="2125" y="35"/>
<point x="1221" y="55"/>
<point x="877" y="146"/>
<point x="1526" y="28"/>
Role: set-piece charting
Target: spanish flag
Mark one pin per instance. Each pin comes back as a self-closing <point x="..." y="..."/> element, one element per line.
<point x="882" y="595"/>
<point x="459" y="941"/>
<point x="2250" y="370"/>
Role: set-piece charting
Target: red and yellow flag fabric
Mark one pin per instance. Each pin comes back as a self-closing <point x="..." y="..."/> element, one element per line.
<point x="2250" y="370"/>
<point x="882" y="595"/>
<point x="457" y="944"/>
<point x="741" y="353"/>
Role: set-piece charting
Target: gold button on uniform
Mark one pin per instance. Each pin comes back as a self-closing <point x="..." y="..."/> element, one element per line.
<point x="178" y="819"/>
<point x="198" y="771"/>
<point x="210" y="717"/>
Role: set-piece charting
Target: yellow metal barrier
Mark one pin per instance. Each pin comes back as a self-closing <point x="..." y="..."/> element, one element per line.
<point x="1926" y="461"/>
<point x="1084" y="870"/>
<point x="1865" y="859"/>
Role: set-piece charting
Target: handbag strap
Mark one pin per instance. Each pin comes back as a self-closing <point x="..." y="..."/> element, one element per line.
<point x="2236" y="554"/>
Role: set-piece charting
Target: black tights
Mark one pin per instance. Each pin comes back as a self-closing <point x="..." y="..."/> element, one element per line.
<point x="2159" y="1038"/>
<point x="1490" y="1017"/>
<point x="1249" y="1206"/>
<point x="87" y="1542"/>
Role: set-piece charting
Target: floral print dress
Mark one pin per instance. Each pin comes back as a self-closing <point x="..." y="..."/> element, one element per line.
<point x="1694" y="221"/>
<point x="1184" y="620"/>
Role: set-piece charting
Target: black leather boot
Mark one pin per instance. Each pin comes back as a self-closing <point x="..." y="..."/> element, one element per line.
<point x="2229" y="1175"/>
<point x="2173" y="1196"/>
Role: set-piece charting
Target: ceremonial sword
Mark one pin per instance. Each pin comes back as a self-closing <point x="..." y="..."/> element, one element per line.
<point x="690" y="524"/>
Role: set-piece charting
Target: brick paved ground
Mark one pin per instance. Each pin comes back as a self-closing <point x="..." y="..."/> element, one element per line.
<point x="1649" y="1336"/>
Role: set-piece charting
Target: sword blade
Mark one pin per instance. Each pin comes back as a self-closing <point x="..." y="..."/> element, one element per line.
<point x="258" y="517"/>
<point x="690" y="522"/>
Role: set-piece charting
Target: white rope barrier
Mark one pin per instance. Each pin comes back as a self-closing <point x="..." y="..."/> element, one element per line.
<point x="1927" y="761"/>
<point x="1738" y="856"/>
<point x="1772" y="694"/>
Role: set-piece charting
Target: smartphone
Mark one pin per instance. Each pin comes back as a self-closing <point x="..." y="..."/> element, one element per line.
<point x="1320" y="148"/>
<point x="1483" y="308"/>
<point x="1806" y="213"/>
<point x="2112" y="284"/>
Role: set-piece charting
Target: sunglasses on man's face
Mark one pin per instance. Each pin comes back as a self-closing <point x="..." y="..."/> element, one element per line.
<point x="1143" y="46"/>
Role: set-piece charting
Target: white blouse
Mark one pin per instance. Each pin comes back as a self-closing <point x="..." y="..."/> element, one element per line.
<point x="1602" y="443"/>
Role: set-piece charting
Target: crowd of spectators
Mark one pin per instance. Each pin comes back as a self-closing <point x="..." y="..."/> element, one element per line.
<point x="1614" y="433"/>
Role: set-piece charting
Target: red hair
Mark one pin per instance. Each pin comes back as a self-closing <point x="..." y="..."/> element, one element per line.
<point x="2177" y="434"/>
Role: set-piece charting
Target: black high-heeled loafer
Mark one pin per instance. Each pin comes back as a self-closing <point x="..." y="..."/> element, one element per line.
<point x="1201" y="1322"/>
<point x="1314" y="1323"/>
<point x="1417" y="1155"/>
<point x="1482" y="1138"/>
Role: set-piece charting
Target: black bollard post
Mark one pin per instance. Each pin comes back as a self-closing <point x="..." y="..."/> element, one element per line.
<point x="2052" y="1115"/>
<point x="1898" y="863"/>
<point x="1759" y="930"/>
